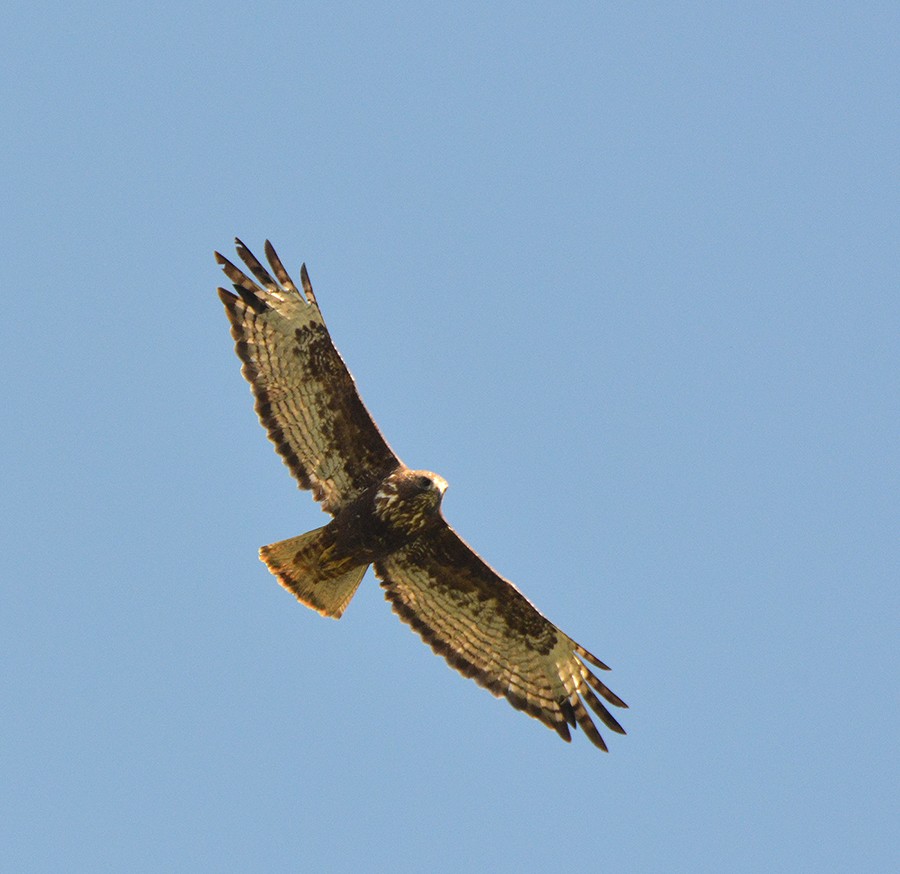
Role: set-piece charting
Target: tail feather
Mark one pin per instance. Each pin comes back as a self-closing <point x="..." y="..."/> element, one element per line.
<point x="306" y="566"/>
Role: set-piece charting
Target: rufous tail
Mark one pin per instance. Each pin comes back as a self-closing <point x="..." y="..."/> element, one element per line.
<point x="306" y="566"/>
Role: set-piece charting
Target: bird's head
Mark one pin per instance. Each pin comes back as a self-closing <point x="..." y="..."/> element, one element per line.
<point x="410" y="499"/>
<point x="427" y="483"/>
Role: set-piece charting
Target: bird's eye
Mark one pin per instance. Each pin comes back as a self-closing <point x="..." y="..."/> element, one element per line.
<point x="423" y="482"/>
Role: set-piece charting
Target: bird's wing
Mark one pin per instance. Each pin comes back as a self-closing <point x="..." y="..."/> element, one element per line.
<point x="489" y="631"/>
<point x="305" y="396"/>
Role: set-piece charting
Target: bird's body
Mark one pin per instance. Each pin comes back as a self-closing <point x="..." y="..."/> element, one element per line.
<point x="383" y="519"/>
<point x="389" y="516"/>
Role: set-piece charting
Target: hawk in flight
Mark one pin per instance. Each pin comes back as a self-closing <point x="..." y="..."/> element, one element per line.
<point x="389" y="516"/>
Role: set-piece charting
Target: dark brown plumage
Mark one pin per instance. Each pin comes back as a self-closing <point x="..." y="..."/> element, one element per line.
<point x="389" y="516"/>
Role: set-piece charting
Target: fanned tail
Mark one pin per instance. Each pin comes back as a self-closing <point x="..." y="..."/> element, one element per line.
<point x="307" y="567"/>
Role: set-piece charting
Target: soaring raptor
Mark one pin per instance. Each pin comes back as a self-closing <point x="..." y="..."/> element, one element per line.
<point x="389" y="516"/>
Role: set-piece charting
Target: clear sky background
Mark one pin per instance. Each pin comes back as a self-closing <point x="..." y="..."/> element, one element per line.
<point x="626" y="275"/>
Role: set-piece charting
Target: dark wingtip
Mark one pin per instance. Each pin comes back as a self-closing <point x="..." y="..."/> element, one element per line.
<point x="614" y="699"/>
<point x="273" y="258"/>
<point x="307" y="285"/>
<point x="562" y="729"/>
<point x="279" y="269"/>
<point x="595" y="737"/>
<point x="590" y="657"/>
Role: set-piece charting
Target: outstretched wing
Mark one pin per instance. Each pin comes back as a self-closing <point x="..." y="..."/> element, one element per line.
<point x="489" y="631"/>
<point x="305" y="396"/>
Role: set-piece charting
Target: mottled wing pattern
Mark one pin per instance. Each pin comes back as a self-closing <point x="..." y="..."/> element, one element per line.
<point x="305" y="396"/>
<point x="489" y="631"/>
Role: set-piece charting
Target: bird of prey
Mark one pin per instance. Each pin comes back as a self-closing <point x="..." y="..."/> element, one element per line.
<point x="389" y="516"/>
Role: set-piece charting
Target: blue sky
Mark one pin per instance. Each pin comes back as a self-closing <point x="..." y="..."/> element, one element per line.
<point x="626" y="276"/>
